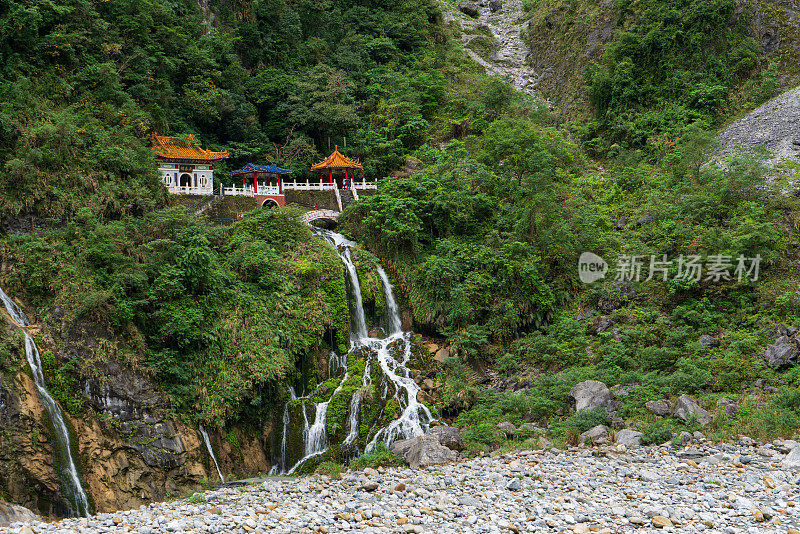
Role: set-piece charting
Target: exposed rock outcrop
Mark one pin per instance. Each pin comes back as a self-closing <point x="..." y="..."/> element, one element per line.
<point x="423" y="451"/>
<point x="687" y="408"/>
<point x="9" y="513"/>
<point x="591" y="394"/>
<point x="782" y="353"/>
<point x="448" y="436"/>
<point x="597" y="435"/>
<point x="630" y="438"/>
<point x="130" y="452"/>
<point x="773" y="125"/>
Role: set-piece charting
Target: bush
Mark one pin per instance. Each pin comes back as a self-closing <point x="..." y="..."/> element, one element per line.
<point x="656" y="434"/>
<point x="380" y="456"/>
<point x="483" y="433"/>
<point x="331" y="469"/>
<point x="586" y="419"/>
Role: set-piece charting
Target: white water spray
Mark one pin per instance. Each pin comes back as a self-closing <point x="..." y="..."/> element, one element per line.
<point x="76" y="496"/>
<point x="211" y="451"/>
<point x="392" y="311"/>
<point x="415" y="416"/>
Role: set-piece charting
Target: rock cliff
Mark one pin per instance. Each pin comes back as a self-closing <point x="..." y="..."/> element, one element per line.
<point x="566" y="36"/>
<point x="131" y="449"/>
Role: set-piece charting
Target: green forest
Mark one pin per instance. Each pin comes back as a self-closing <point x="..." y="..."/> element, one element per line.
<point x="482" y="243"/>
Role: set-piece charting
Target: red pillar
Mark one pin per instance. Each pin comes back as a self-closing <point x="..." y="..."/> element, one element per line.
<point x="243" y="175"/>
<point x="346" y="178"/>
<point x="255" y="183"/>
<point x="331" y="176"/>
<point x="280" y="184"/>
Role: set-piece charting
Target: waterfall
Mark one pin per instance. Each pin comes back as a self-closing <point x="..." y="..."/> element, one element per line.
<point x="342" y="245"/>
<point x="392" y="311"/>
<point x="285" y="433"/>
<point x="211" y="451"/>
<point x="336" y="363"/>
<point x="351" y="427"/>
<point x="415" y="416"/>
<point x="71" y="482"/>
<point x="316" y="436"/>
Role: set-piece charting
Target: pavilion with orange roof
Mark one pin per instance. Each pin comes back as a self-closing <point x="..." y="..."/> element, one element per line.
<point x="341" y="164"/>
<point x="185" y="167"/>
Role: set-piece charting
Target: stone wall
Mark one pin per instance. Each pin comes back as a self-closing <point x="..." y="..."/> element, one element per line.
<point x="323" y="199"/>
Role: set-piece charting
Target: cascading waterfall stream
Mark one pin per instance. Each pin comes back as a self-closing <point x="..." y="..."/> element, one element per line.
<point x="415" y="416"/>
<point x="392" y="311"/>
<point x="211" y="451"/>
<point x="76" y="496"/>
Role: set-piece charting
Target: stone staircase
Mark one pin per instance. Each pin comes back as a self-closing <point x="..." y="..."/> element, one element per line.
<point x="346" y="196"/>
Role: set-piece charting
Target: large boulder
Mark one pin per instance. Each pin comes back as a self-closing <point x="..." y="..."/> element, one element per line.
<point x="781" y="353"/>
<point x="423" y="451"/>
<point x="628" y="437"/>
<point x="792" y="460"/>
<point x="660" y="408"/>
<point x="470" y="9"/>
<point x="687" y="408"/>
<point x="708" y="341"/>
<point x="591" y="394"/>
<point x="448" y="436"/>
<point x="600" y="325"/>
<point x="597" y="435"/>
<point x="507" y="429"/>
<point x="11" y="513"/>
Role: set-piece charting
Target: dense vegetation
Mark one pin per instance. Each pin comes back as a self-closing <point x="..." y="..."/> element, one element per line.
<point x="220" y="316"/>
<point x="84" y="83"/>
<point x="483" y="242"/>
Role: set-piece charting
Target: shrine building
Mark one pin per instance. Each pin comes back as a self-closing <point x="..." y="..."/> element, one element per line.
<point x="263" y="182"/>
<point x="185" y="168"/>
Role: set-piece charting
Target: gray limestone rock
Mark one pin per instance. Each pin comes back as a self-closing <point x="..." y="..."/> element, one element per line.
<point x="773" y="125"/>
<point x="660" y="408"/>
<point x="423" y="451"/>
<point x="597" y="435"/>
<point x="781" y="353"/>
<point x="628" y="437"/>
<point x="10" y="513"/>
<point x="448" y="436"/>
<point x="469" y="8"/>
<point x="591" y="394"/>
<point x="687" y="408"/>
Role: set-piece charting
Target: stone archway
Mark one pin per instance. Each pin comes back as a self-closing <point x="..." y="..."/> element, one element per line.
<point x="269" y="204"/>
<point x="185" y="180"/>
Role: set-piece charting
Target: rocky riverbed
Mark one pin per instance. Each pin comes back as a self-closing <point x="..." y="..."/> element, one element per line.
<point x="699" y="488"/>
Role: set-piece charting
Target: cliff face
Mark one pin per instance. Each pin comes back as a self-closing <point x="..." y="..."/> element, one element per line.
<point x="130" y="450"/>
<point x="565" y="36"/>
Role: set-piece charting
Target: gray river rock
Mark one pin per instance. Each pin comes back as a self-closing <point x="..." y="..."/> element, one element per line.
<point x="577" y="490"/>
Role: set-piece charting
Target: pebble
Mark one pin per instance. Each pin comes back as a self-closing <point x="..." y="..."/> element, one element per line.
<point x="572" y="491"/>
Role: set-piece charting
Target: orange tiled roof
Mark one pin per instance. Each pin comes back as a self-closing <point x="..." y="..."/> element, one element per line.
<point x="183" y="148"/>
<point x="337" y="160"/>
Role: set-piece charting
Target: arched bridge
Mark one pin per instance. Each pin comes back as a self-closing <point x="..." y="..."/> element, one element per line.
<point x="315" y="215"/>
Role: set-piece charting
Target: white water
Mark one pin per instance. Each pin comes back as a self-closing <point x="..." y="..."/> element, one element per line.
<point x="351" y="427"/>
<point x="69" y="471"/>
<point x="342" y="245"/>
<point x="211" y="451"/>
<point x="415" y="416"/>
<point x="315" y="437"/>
<point x="392" y="311"/>
<point x="336" y="364"/>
